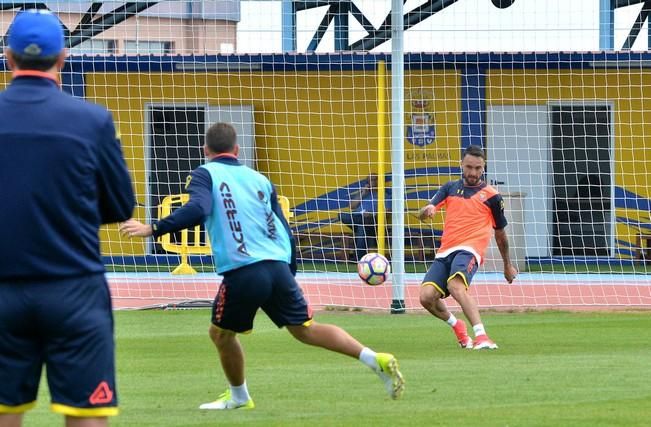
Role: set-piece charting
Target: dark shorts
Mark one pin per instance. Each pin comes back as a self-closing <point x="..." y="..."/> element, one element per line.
<point x="269" y="285"/>
<point x="68" y="326"/>
<point x="442" y="270"/>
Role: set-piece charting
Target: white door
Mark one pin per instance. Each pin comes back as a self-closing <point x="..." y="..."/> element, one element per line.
<point x="241" y="117"/>
<point x="518" y="164"/>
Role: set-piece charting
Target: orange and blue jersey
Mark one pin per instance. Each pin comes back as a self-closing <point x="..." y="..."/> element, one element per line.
<point x="471" y="215"/>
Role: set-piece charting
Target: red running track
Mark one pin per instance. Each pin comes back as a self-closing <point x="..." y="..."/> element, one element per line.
<point x="140" y="293"/>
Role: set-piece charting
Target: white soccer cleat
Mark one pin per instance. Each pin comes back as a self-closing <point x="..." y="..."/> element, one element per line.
<point x="482" y="342"/>
<point x="466" y="343"/>
<point x="225" y="401"/>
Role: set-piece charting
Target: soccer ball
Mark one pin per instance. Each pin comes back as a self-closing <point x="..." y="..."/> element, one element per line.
<point x="373" y="269"/>
<point x="503" y="4"/>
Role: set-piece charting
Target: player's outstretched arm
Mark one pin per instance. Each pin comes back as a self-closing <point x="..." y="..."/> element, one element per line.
<point x="438" y="201"/>
<point x="502" y="240"/>
<point x="191" y="214"/>
<point x="134" y="228"/>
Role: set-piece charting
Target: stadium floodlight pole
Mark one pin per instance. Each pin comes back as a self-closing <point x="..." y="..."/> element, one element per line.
<point x="398" y="157"/>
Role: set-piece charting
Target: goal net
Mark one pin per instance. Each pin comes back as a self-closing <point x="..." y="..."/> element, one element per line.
<point x="565" y="133"/>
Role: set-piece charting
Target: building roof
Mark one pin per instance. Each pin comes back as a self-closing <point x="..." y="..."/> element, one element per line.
<point x="227" y="10"/>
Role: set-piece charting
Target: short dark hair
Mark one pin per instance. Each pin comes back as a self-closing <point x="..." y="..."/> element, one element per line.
<point x="221" y="138"/>
<point x="35" y="63"/>
<point x="474" y="150"/>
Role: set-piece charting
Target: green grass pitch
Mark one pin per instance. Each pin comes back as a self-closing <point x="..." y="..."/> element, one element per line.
<point x="552" y="369"/>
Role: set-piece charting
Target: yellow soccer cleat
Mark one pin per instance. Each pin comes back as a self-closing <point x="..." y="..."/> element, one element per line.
<point x="225" y="401"/>
<point x="390" y="375"/>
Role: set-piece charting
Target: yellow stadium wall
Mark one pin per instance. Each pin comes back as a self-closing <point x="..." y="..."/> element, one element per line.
<point x="315" y="131"/>
<point x="624" y="89"/>
<point x="443" y="91"/>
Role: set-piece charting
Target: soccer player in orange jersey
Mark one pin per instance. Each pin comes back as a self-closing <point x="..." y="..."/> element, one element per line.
<point x="473" y="210"/>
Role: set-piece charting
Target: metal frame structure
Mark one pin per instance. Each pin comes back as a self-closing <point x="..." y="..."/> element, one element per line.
<point x="339" y="12"/>
<point x="607" y="23"/>
<point x="90" y="25"/>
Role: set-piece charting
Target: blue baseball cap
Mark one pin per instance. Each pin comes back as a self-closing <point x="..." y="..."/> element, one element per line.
<point x="36" y="33"/>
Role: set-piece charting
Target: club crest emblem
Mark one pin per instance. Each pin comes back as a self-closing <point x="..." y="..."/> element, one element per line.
<point x="421" y="129"/>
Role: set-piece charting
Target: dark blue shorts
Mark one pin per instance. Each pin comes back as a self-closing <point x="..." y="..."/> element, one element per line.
<point x="269" y="285"/>
<point x="442" y="270"/>
<point x="68" y="326"/>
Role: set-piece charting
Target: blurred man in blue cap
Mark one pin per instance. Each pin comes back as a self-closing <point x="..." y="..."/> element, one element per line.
<point x="62" y="175"/>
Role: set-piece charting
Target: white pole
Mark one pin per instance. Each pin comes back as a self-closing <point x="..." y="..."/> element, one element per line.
<point x="397" y="157"/>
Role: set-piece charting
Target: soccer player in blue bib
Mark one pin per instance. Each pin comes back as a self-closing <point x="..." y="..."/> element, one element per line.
<point x="62" y="175"/>
<point x="253" y="249"/>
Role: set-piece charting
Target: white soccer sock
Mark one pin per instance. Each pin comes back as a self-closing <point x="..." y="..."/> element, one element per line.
<point x="479" y="329"/>
<point x="240" y="393"/>
<point x="368" y="357"/>
<point x="452" y="320"/>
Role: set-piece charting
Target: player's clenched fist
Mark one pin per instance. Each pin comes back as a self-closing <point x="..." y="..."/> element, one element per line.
<point x="426" y="212"/>
<point x="510" y="273"/>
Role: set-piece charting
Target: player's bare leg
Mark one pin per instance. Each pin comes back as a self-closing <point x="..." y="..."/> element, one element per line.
<point x="335" y="339"/>
<point x="231" y="356"/>
<point x="330" y="337"/>
<point x="11" y="420"/>
<point x="430" y="299"/>
<point x="86" y="421"/>
<point x="458" y="290"/>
